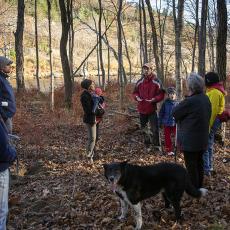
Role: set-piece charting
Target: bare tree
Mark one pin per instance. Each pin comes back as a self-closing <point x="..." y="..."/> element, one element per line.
<point x="221" y="39"/>
<point x="65" y="21"/>
<point x="141" y="33"/>
<point x="19" y="47"/>
<point x="154" y="39"/>
<point x="50" y="54"/>
<point x="145" y="32"/>
<point x="36" y="43"/>
<point x="178" y="25"/>
<point x="202" y="38"/>
<point x="100" y="44"/>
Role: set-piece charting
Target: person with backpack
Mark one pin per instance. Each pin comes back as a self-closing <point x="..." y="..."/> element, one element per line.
<point x="7" y="98"/>
<point x="216" y="94"/>
<point x="167" y="120"/>
<point x="148" y="92"/>
<point x="7" y="157"/>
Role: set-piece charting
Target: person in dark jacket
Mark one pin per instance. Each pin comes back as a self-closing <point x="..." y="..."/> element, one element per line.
<point x="192" y="116"/>
<point x="7" y="98"/>
<point x="167" y="120"/>
<point x="89" y="116"/>
<point x="148" y="92"/>
<point x="7" y="157"/>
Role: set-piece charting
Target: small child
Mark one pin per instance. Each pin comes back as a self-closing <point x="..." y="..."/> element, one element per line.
<point x="98" y="108"/>
<point x="98" y="99"/>
<point x="166" y="119"/>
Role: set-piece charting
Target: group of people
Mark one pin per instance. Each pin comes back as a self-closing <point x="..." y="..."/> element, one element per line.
<point x="194" y="120"/>
<point x="7" y="151"/>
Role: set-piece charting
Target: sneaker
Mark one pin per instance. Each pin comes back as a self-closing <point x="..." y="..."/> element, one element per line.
<point x="170" y="153"/>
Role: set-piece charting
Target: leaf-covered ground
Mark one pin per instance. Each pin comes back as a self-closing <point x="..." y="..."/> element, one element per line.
<point x="57" y="188"/>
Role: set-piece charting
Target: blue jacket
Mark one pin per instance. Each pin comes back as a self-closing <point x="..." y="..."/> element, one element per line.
<point x="7" y="151"/>
<point x="165" y="115"/>
<point x="6" y="94"/>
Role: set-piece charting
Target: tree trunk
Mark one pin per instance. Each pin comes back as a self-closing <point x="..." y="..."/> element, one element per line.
<point x="141" y="34"/>
<point x="100" y="44"/>
<point x="65" y="16"/>
<point x="154" y="39"/>
<point x="202" y="38"/>
<point x="19" y="47"/>
<point x="221" y="39"/>
<point x="36" y="44"/>
<point x="145" y="33"/>
<point x="195" y="35"/>
<point x="50" y="55"/>
<point x="120" y="59"/>
<point x="178" y="23"/>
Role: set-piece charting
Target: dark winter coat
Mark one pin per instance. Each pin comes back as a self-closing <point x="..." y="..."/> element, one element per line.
<point x="165" y="115"/>
<point x="7" y="152"/>
<point x="6" y="94"/>
<point x="87" y="104"/>
<point x="193" y="115"/>
<point x="147" y="89"/>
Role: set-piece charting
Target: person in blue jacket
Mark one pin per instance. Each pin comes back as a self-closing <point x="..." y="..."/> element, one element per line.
<point x="7" y="157"/>
<point x="167" y="120"/>
<point x="7" y="98"/>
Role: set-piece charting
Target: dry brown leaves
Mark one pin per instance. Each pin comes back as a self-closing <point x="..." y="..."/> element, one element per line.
<point x="57" y="188"/>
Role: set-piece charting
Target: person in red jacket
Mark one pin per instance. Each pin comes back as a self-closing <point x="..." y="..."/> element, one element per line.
<point x="148" y="92"/>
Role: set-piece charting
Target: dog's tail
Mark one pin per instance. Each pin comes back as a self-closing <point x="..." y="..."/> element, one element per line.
<point x="192" y="191"/>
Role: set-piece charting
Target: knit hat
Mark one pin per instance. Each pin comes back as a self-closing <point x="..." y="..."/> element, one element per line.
<point x="86" y="83"/>
<point x="148" y="65"/>
<point x="98" y="91"/>
<point x="211" y="78"/>
<point x="171" y="90"/>
<point x="4" y="62"/>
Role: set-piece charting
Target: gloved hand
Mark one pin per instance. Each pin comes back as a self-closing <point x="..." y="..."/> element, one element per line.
<point x="138" y="98"/>
<point x="151" y="100"/>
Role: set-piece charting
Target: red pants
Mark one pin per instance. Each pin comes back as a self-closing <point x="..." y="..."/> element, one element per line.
<point x="169" y="131"/>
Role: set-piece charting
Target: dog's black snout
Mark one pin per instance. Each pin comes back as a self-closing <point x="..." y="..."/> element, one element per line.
<point x="111" y="179"/>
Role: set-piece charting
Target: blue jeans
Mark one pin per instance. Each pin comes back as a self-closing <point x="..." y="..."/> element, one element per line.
<point x="4" y="189"/>
<point x="208" y="154"/>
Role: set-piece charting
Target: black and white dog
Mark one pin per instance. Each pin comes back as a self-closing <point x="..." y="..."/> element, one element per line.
<point x="133" y="183"/>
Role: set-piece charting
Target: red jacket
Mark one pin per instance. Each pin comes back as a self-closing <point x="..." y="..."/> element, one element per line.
<point x="147" y="89"/>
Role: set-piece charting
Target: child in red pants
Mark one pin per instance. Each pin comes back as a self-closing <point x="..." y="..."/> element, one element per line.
<point x="166" y="119"/>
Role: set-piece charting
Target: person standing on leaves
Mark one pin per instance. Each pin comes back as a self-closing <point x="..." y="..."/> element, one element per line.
<point x="89" y="116"/>
<point x="7" y="98"/>
<point x="167" y="120"/>
<point x="148" y="92"/>
<point x="192" y="116"/>
<point x="7" y="157"/>
<point x="216" y="94"/>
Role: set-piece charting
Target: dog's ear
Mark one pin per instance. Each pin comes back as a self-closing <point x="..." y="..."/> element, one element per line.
<point x="105" y="166"/>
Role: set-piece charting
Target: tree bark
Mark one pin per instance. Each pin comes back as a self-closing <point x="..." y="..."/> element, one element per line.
<point x="195" y="35"/>
<point x="154" y="39"/>
<point x="100" y="44"/>
<point x="141" y="34"/>
<point x="145" y="33"/>
<point x="178" y="23"/>
<point x="19" y="47"/>
<point x="221" y="60"/>
<point x="50" y="55"/>
<point x="65" y="21"/>
<point x="36" y="44"/>
<point x="202" y="38"/>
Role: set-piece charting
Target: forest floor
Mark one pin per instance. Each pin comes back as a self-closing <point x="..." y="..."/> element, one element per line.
<point x="57" y="187"/>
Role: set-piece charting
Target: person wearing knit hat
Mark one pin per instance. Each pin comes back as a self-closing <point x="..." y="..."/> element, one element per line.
<point x="216" y="94"/>
<point x="7" y="98"/>
<point x="167" y="120"/>
<point x="148" y="92"/>
<point x="89" y="117"/>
